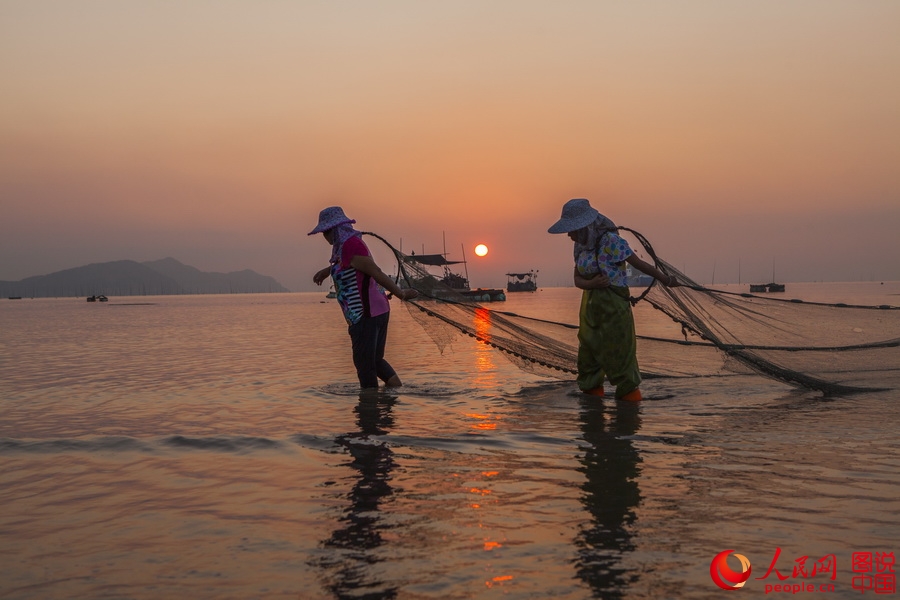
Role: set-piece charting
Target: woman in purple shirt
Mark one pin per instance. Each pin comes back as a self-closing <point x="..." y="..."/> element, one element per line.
<point x="360" y="285"/>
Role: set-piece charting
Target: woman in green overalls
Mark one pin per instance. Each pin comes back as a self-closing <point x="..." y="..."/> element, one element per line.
<point x="607" y="346"/>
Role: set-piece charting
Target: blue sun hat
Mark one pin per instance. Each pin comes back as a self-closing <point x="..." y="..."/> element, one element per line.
<point x="576" y="213"/>
<point x="329" y="218"/>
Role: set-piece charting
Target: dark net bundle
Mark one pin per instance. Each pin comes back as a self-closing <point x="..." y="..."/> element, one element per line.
<point x="828" y="347"/>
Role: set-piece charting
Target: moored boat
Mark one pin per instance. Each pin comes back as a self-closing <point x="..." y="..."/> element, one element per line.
<point x="521" y="282"/>
<point x="767" y="287"/>
<point x="448" y="283"/>
<point x="635" y="278"/>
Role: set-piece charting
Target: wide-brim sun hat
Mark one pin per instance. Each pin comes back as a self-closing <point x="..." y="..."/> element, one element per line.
<point x="329" y="218"/>
<point x="576" y="213"/>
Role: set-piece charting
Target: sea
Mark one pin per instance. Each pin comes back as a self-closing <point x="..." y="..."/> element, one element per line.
<point x="218" y="447"/>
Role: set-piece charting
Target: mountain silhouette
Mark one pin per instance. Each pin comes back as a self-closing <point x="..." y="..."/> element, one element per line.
<point x="131" y="278"/>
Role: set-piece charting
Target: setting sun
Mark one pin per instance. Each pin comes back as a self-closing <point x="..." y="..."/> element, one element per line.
<point x="481" y="250"/>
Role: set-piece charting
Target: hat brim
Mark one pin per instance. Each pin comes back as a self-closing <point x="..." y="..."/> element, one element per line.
<point x="567" y="224"/>
<point x="322" y="227"/>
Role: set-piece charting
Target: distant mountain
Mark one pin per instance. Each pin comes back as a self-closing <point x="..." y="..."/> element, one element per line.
<point x="195" y="281"/>
<point x="130" y="278"/>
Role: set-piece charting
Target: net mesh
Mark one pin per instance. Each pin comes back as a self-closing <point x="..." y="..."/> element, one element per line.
<point x="833" y="348"/>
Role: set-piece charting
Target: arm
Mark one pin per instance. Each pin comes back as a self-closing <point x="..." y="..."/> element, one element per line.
<point x="367" y="265"/>
<point x="647" y="268"/>
<point x="593" y="283"/>
<point x="321" y="274"/>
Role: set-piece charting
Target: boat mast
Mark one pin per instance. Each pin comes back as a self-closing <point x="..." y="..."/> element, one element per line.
<point x="465" y="265"/>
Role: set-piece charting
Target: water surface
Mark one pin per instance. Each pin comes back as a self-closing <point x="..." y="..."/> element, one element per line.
<point x="217" y="447"/>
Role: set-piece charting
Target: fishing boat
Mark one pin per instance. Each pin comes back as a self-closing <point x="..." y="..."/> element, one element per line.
<point x="635" y="278"/>
<point x="448" y="282"/>
<point x="521" y="282"/>
<point x="768" y="287"/>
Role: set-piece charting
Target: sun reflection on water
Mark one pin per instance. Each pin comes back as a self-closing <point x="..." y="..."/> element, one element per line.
<point x="485" y="369"/>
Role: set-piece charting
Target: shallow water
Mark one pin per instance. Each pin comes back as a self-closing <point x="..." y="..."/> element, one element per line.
<point x="217" y="447"/>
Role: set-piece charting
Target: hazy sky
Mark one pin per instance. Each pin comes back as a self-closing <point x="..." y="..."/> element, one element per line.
<point x="759" y="133"/>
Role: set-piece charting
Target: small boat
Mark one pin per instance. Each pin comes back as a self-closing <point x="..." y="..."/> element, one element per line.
<point x="635" y="278"/>
<point x="766" y="287"/>
<point x="521" y="282"/>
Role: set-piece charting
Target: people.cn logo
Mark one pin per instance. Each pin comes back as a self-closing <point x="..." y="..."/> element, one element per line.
<point x="724" y="576"/>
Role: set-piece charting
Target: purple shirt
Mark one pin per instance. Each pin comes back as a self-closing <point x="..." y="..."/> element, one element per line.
<point x="354" y="288"/>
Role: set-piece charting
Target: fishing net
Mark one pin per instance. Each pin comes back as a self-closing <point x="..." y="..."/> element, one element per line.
<point x="833" y="348"/>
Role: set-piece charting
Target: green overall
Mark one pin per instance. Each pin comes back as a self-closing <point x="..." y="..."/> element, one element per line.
<point x="607" y="346"/>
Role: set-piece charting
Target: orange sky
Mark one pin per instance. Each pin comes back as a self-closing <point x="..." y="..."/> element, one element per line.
<point x="214" y="132"/>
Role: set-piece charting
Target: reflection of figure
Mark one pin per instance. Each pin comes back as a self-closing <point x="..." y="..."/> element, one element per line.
<point x="607" y="346"/>
<point x="360" y="531"/>
<point x="360" y="285"/>
<point x="610" y="495"/>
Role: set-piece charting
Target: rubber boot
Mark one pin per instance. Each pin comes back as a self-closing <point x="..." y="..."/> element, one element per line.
<point x="632" y="396"/>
